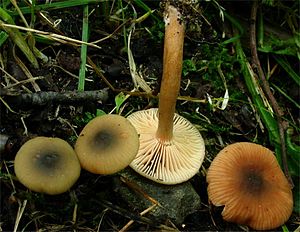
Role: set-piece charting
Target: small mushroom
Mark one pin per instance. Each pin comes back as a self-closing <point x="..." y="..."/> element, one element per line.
<point x="171" y="148"/>
<point x="247" y="180"/>
<point x="47" y="165"/>
<point x="107" y="144"/>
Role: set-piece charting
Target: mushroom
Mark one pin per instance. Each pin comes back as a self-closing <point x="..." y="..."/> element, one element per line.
<point x="247" y="180"/>
<point x="107" y="144"/>
<point x="171" y="148"/>
<point x="47" y="165"/>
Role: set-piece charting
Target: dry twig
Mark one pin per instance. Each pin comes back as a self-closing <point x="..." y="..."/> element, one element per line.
<point x="43" y="98"/>
<point x="282" y="125"/>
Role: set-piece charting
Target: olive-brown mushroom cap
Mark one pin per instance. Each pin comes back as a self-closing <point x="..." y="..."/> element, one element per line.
<point x="246" y="179"/>
<point x="107" y="144"/>
<point x="47" y="165"/>
<point x="170" y="162"/>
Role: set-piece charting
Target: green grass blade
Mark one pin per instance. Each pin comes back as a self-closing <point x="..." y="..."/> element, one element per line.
<point x="3" y="37"/>
<point x="5" y="3"/>
<point x="286" y="96"/>
<point x="83" y="54"/>
<point x="33" y="15"/>
<point x="56" y="5"/>
<point x="144" y="6"/>
<point x="248" y="74"/>
<point x="17" y="37"/>
<point x="236" y="23"/>
<point x="286" y="66"/>
<point x="293" y="151"/>
<point x="6" y="17"/>
<point x="284" y="228"/>
<point x="260" y="30"/>
<point x="279" y="46"/>
<point x="123" y="18"/>
<point x="296" y="191"/>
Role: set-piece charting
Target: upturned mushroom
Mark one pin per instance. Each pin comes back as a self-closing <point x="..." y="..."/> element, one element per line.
<point x="247" y="180"/>
<point x="171" y="148"/>
<point x="107" y="144"/>
<point x="47" y="165"/>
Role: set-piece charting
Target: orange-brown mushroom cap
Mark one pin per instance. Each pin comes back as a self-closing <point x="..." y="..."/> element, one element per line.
<point x="107" y="144"/>
<point x="247" y="180"/>
<point x="167" y="162"/>
<point x="47" y="165"/>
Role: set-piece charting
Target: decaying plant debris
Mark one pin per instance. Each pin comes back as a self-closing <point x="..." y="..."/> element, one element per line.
<point x="62" y="63"/>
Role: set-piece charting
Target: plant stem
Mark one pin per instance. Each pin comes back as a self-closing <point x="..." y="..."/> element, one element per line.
<point x="172" y="68"/>
<point x="83" y="53"/>
<point x="282" y="125"/>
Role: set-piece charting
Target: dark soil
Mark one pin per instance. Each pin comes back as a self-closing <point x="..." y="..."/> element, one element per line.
<point x="93" y="204"/>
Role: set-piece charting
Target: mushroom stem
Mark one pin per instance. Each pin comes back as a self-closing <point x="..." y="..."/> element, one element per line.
<point x="172" y="68"/>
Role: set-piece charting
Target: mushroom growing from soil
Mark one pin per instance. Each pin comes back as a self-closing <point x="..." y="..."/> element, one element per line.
<point x="171" y="148"/>
<point x="247" y="180"/>
<point x="107" y="144"/>
<point x="47" y="165"/>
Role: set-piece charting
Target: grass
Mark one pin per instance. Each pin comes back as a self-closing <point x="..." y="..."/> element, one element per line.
<point x="17" y="37"/>
<point x="127" y="36"/>
<point x="83" y="53"/>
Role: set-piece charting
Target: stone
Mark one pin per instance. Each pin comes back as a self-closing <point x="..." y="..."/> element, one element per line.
<point x="176" y="201"/>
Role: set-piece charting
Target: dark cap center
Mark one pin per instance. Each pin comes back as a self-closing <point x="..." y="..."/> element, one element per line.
<point x="252" y="182"/>
<point x="102" y="140"/>
<point x="48" y="161"/>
